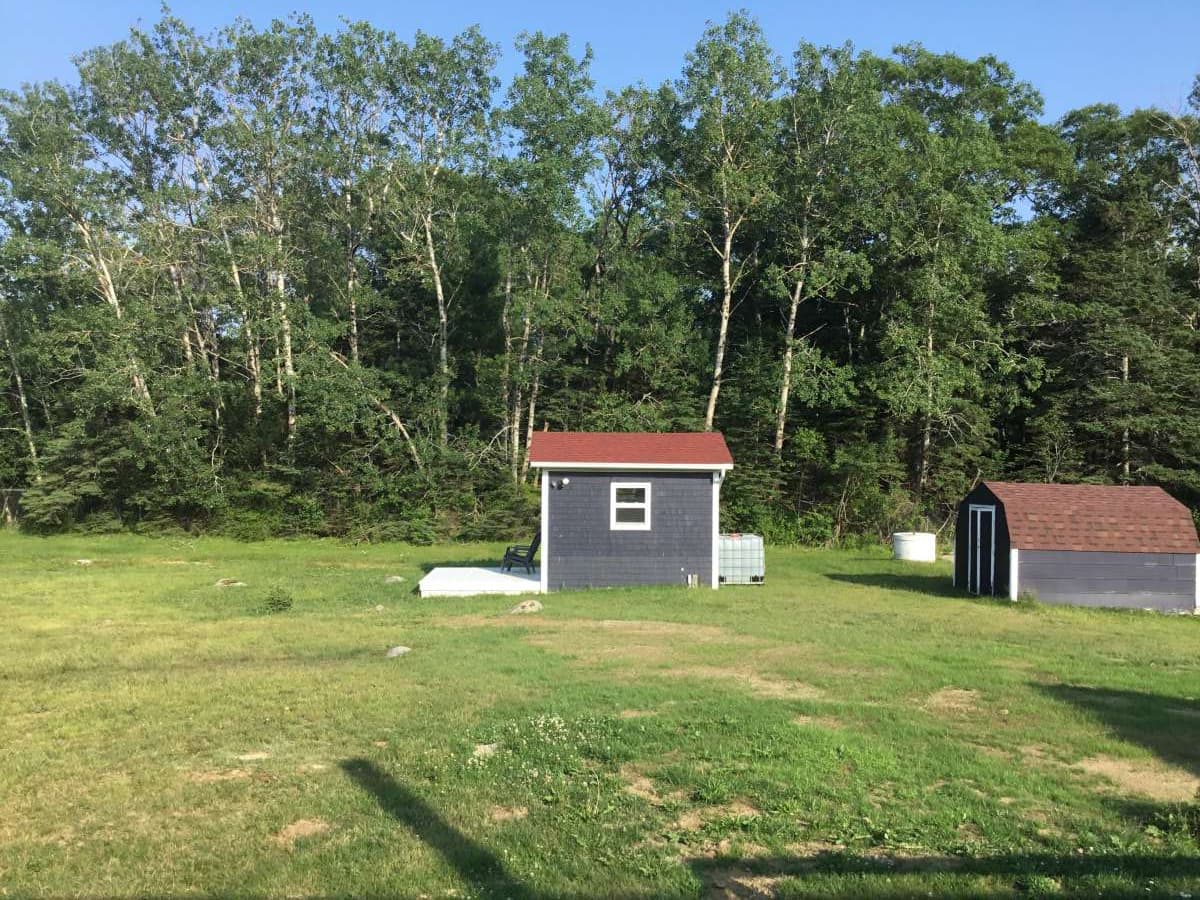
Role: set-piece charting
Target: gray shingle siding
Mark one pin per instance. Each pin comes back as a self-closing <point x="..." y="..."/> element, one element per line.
<point x="585" y="552"/>
<point x="1162" y="581"/>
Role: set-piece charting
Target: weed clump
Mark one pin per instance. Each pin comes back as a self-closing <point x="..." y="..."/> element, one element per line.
<point x="277" y="601"/>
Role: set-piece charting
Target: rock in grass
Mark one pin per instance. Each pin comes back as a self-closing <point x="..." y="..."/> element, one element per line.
<point x="398" y="651"/>
<point x="526" y="606"/>
<point x="229" y="582"/>
<point x="378" y="607"/>
<point x="83" y="562"/>
<point x="394" y="579"/>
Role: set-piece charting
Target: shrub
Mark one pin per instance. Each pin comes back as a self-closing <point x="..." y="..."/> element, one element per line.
<point x="277" y="600"/>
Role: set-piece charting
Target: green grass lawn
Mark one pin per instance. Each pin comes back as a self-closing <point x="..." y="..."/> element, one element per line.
<point x="853" y="727"/>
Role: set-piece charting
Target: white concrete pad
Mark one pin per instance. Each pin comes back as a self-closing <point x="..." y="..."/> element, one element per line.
<point x="467" y="581"/>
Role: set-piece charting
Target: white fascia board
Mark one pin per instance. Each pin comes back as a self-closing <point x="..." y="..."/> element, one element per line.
<point x="717" y="478"/>
<point x="631" y="467"/>
<point x="1014" y="578"/>
<point x="544" y="568"/>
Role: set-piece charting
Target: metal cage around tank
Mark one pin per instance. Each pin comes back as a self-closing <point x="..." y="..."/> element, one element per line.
<point x="742" y="559"/>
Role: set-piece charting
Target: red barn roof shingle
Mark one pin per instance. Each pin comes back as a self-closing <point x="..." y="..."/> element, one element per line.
<point x="638" y="448"/>
<point x="1122" y="519"/>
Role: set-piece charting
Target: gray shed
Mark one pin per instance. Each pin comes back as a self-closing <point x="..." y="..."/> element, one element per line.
<point x="629" y="508"/>
<point x="1080" y="544"/>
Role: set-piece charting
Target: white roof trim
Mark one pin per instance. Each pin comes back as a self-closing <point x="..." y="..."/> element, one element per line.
<point x="632" y="466"/>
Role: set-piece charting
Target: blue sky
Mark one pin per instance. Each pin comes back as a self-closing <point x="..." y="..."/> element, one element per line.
<point x="1074" y="52"/>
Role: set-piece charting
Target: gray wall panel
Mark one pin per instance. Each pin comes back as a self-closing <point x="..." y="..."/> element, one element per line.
<point x="1164" y="581"/>
<point x="586" y="552"/>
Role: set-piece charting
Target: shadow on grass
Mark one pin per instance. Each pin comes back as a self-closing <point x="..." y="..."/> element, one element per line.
<point x="885" y="876"/>
<point x="472" y="861"/>
<point x="1169" y="727"/>
<point x="937" y="585"/>
<point x="741" y="877"/>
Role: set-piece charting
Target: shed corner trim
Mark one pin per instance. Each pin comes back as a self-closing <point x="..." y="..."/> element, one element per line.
<point x="544" y="567"/>
<point x="1014" y="585"/>
<point x="717" y="478"/>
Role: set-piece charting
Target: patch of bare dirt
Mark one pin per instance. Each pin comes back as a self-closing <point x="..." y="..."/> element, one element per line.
<point x="253" y="757"/>
<point x="806" y="849"/>
<point x="739" y="884"/>
<point x="759" y="685"/>
<point x="351" y="565"/>
<point x="638" y="784"/>
<point x="993" y="752"/>
<point x="214" y="777"/>
<point x="829" y="723"/>
<point x="636" y="713"/>
<point x="507" y="813"/>
<point x="1149" y="779"/>
<point x="952" y="701"/>
<point x="725" y="847"/>
<point x="633" y="642"/>
<point x="695" y="819"/>
<point x="969" y="831"/>
<point x="298" y="831"/>
<point x="484" y="751"/>
<point x="881" y="794"/>
<point x="1039" y="753"/>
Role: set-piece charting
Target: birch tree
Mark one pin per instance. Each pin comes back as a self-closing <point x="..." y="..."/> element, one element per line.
<point x="829" y="154"/>
<point x="722" y="167"/>
<point x="260" y="150"/>
<point x="552" y="122"/>
<point x="442" y="95"/>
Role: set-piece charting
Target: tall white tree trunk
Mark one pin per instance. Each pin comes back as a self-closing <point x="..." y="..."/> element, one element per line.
<point x="1125" y="450"/>
<point x="789" y="350"/>
<point x="927" y="419"/>
<point x="533" y="399"/>
<point x="723" y="331"/>
<point x="352" y="305"/>
<point x="506" y="372"/>
<point x="516" y="462"/>
<point x="108" y="290"/>
<point x="289" y="365"/>
<point x="23" y="403"/>
<point x="435" y="273"/>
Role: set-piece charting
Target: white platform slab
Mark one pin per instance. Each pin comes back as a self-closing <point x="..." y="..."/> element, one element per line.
<point x="467" y="581"/>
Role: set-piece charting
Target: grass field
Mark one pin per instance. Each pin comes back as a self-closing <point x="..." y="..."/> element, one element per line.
<point x="852" y="728"/>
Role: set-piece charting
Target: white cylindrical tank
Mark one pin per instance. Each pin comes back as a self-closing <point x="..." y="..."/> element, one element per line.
<point x="917" y="546"/>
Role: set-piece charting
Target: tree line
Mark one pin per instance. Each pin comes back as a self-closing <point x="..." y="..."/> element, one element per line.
<point x="274" y="281"/>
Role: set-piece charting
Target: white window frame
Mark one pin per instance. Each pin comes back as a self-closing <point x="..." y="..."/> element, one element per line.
<point x="614" y="505"/>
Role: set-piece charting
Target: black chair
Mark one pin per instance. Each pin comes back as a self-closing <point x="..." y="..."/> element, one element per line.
<point x="518" y="555"/>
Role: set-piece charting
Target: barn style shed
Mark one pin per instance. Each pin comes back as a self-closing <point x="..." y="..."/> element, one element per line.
<point x="1081" y="544"/>
<point x="629" y="508"/>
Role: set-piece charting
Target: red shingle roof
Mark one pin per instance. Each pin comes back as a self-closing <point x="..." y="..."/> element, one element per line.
<point x="630" y="448"/>
<point x="1095" y="517"/>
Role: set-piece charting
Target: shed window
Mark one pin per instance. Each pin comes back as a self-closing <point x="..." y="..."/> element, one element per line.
<point x="630" y="508"/>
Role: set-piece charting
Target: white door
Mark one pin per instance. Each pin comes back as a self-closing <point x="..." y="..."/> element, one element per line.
<point x="981" y="550"/>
